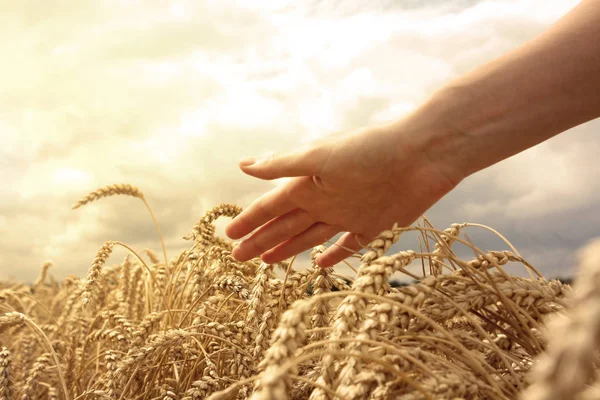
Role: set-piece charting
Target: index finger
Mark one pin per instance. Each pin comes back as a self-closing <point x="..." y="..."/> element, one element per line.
<point x="270" y="205"/>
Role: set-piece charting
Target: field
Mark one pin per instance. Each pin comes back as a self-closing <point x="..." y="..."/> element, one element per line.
<point x="203" y="325"/>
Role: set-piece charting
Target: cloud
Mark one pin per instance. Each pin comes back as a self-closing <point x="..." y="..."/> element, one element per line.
<point x="169" y="95"/>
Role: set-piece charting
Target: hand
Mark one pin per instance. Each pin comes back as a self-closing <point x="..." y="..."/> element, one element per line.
<point x="360" y="184"/>
<point x="364" y="183"/>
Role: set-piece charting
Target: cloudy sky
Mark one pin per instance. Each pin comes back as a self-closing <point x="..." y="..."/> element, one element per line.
<point x="168" y="95"/>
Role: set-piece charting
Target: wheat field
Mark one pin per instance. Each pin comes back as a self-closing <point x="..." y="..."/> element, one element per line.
<point x="204" y="326"/>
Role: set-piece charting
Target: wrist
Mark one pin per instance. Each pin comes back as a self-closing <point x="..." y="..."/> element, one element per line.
<point x="453" y="140"/>
<point x="436" y="130"/>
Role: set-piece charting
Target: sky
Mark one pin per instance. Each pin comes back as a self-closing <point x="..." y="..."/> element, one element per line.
<point x="168" y="95"/>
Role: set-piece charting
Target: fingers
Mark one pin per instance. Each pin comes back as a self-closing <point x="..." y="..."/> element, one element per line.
<point x="347" y="245"/>
<point x="271" y="205"/>
<point x="301" y="163"/>
<point x="273" y="233"/>
<point x="315" y="235"/>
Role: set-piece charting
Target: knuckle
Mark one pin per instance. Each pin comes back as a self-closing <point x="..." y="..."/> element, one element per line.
<point x="298" y="191"/>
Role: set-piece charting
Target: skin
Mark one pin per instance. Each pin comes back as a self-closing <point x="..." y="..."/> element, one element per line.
<point x="364" y="182"/>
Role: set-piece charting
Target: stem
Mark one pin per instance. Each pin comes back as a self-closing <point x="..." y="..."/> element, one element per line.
<point x="162" y="242"/>
<point x="287" y="273"/>
<point x="162" y="294"/>
<point x="39" y="331"/>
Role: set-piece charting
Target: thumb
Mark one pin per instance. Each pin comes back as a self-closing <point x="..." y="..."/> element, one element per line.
<point x="299" y="163"/>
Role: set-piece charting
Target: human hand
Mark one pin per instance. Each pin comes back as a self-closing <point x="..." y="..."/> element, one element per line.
<point x="360" y="184"/>
<point x="364" y="183"/>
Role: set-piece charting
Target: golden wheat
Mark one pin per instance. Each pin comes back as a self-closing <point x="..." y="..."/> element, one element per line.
<point x="207" y="326"/>
<point x="126" y="190"/>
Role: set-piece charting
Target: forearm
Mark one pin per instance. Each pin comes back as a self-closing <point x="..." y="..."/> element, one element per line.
<point x="525" y="97"/>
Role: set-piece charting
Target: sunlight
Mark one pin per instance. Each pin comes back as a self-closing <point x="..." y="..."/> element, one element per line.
<point x="71" y="176"/>
<point x="160" y="73"/>
<point x="192" y="124"/>
<point x="393" y="112"/>
<point x="177" y="10"/>
<point x="318" y="117"/>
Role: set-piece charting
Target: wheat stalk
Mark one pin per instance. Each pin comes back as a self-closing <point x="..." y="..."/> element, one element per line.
<point x="207" y="326"/>
<point x="126" y="190"/>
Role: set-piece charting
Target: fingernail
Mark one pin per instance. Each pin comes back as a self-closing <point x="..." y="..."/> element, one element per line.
<point x="247" y="161"/>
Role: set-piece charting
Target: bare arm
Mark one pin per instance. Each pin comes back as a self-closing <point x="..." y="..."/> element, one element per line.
<point x="525" y="97"/>
<point x="366" y="181"/>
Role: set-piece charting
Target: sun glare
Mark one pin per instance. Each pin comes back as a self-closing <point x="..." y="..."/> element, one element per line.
<point x="71" y="176"/>
<point x="192" y="124"/>
<point x="177" y="10"/>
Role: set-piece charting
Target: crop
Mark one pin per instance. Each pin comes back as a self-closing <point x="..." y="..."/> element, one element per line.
<point x="203" y="325"/>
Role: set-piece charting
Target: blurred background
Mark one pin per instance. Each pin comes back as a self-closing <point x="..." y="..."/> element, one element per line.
<point x="168" y="95"/>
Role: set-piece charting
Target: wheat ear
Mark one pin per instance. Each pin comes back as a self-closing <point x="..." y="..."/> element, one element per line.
<point x="6" y="383"/>
<point x="568" y="365"/>
<point x="94" y="272"/>
<point x="127" y="190"/>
